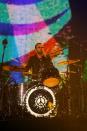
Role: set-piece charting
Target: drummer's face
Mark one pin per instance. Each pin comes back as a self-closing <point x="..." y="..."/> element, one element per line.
<point x="39" y="49"/>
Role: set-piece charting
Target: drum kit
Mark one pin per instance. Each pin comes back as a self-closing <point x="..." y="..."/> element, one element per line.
<point x="38" y="98"/>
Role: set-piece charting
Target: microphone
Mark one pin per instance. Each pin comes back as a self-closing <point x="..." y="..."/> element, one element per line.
<point x="4" y="42"/>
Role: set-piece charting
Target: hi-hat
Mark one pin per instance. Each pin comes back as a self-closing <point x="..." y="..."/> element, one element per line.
<point x="17" y="69"/>
<point x="68" y="72"/>
<point x="68" y="62"/>
<point x="12" y="68"/>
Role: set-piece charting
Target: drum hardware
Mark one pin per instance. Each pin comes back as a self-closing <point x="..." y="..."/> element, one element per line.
<point x="20" y="99"/>
<point x="65" y="75"/>
<point x="22" y="90"/>
<point x="68" y="73"/>
<point x="67" y="79"/>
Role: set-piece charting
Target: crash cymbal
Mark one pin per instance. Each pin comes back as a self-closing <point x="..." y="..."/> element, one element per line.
<point x="68" y="62"/>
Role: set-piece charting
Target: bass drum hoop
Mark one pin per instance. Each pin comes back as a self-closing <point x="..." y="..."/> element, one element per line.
<point x="26" y="99"/>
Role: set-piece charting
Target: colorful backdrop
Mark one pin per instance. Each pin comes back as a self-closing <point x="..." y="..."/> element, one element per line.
<point x="25" y="22"/>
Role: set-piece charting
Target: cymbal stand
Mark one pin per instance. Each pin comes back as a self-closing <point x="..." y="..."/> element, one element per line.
<point x="68" y="86"/>
<point x="69" y="38"/>
<point x="81" y="78"/>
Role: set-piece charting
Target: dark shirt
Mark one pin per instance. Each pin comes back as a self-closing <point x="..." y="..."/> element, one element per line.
<point x="42" y="67"/>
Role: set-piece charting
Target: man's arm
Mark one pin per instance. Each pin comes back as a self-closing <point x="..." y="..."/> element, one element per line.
<point x="28" y="66"/>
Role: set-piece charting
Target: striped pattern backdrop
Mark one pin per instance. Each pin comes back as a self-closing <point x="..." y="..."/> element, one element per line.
<point x="25" y="22"/>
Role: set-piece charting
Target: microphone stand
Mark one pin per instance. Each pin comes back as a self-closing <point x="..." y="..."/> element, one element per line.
<point x="4" y="42"/>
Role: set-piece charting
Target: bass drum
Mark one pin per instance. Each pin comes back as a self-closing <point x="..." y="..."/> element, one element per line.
<point x="39" y="101"/>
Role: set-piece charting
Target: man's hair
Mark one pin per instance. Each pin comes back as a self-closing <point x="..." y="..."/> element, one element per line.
<point x="37" y="45"/>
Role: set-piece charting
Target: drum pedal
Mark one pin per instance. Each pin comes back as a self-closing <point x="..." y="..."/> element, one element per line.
<point x="53" y="113"/>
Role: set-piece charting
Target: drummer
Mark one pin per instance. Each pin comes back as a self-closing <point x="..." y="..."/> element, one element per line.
<point x="41" y="64"/>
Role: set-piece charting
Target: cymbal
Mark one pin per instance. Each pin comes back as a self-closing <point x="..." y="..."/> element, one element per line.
<point x="7" y="68"/>
<point x="68" y="62"/>
<point x="26" y="73"/>
<point x="17" y="69"/>
<point x="68" y="72"/>
<point x="12" y="68"/>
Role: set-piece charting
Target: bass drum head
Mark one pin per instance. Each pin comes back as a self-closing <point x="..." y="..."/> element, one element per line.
<point x="40" y="101"/>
